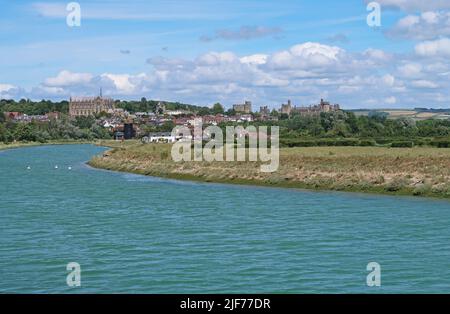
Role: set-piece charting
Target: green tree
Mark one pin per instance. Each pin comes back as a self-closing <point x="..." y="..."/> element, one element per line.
<point x="204" y="111"/>
<point x="84" y="122"/>
<point x="217" y="109"/>
<point x="2" y="132"/>
<point x="230" y="112"/>
<point x="24" y="132"/>
<point x="274" y="113"/>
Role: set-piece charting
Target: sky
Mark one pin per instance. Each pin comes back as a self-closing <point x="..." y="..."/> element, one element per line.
<point x="228" y="51"/>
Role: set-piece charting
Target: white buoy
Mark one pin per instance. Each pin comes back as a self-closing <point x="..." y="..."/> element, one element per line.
<point x="70" y="168"/>
<point x="56" y="167"/>
<point x="28" y="168"/>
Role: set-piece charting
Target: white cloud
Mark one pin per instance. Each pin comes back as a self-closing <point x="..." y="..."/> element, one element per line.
<point x="67" y="78"/>
<point x="8" y="91"/>
<point x="428" y="25"/>
<point x="124" y="83"/>
<point x="50" y="90"/>
<point x="410" y="69"/>
<point x="390" y="100"/>
<point x="434" y="48"/>
<point x="254" y="59"/>
<point x="304" y="73"/>
<point x="408" y="21"/>
<point x="376" y="55"/>
<point x="388" y="80"/>
<point x="414" y="5"/>
<point x="431" y="17"/>
<point x="424" y="84"/>
<point x="217" y="58"/>
<point x="6" y="87"/>
<point x="306" y="56"/>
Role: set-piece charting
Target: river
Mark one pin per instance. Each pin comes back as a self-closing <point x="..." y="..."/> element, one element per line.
<point x="136" y="234"/>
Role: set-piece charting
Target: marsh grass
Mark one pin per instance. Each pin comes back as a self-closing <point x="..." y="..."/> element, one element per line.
<point x="419" y="171"/>
<point x="4" y="146"/>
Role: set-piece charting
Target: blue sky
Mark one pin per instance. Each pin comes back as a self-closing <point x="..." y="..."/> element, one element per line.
<point x="206" y="51"/>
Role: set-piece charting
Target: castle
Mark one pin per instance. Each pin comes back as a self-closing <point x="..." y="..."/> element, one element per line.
<point x="89" y="106"/>
<point x="323" y="106"/>
<point x="243" y="108"/>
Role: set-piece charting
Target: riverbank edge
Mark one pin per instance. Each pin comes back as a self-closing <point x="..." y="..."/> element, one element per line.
<point x="35" y="144"/>
<point x="96" y="162"/>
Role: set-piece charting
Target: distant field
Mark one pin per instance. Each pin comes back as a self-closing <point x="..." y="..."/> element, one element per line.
<point x="401" y="113"/>
<point x="411" y="171"/>
<point x="397" y="114"/>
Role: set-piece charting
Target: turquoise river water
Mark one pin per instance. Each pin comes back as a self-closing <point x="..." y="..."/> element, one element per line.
<point x="136" y="234"/>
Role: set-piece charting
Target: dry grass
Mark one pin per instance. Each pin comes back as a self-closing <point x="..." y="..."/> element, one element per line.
<point x="15" y="145"/>
<point x="412" y="171"/>
<point x="401" y="113"/>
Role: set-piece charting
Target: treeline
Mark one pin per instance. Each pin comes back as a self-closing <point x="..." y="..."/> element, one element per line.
<point x="33" y="107"/>
<point x="82" y="128"/>
<point x="387" y="142"/>
<point x="348" y="125"/>
<point x="325" y="129"/>
<point x="145" y="105"/>
<point x="152" y="106"/>
<point x="347" y="129"/>
<point x="45" y="106"/>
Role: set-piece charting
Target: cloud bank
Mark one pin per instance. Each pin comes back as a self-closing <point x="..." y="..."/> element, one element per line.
<point x="304" y="72"/>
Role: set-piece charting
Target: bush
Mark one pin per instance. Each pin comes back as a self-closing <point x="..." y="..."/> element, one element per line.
<point x="397" y="184"/>
<point x="292" y="142"/>
<point x="367" y="143"/>
<point x="346" y="142"/>
<point x="338" y="142"/>
<point x="441" y="143"/>
<point x="383" y="141"/>
<point x="422" y="189"/>
<point x="422" y="142"/>
<point x="402" y="144"/>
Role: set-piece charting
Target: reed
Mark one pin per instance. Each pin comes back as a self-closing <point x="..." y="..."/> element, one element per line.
<point x="419" y="171"/>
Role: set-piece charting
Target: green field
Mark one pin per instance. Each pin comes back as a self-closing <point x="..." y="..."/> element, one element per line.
<point x="419" y="171"/>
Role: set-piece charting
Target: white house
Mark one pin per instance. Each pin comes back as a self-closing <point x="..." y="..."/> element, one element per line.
<point x="162" y="137"/>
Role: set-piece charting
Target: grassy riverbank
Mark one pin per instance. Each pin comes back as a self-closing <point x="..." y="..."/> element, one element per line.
<point x="417" y="171"/>
<point x="4" y="146"/>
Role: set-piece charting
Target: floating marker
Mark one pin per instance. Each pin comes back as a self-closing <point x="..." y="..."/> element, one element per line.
<point x="70" y="168"/>
<point x="56" y="167"/>
<point x="28" y="168"/>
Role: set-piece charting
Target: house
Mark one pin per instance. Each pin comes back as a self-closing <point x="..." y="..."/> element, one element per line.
<point x="53" y="115"/>
<point x="246" y="118"/>
<point x="177" y="112"/>
<point x="196" y="121"/>
<point x="13" y="115"/>
<point x="160" y="137"/>
<point x="181" y="121"/>
<point x="119" y="136"/>
<point x="213" y="120"/>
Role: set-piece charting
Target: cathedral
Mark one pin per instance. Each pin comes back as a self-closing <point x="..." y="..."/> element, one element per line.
<point x="89" y="106"/>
